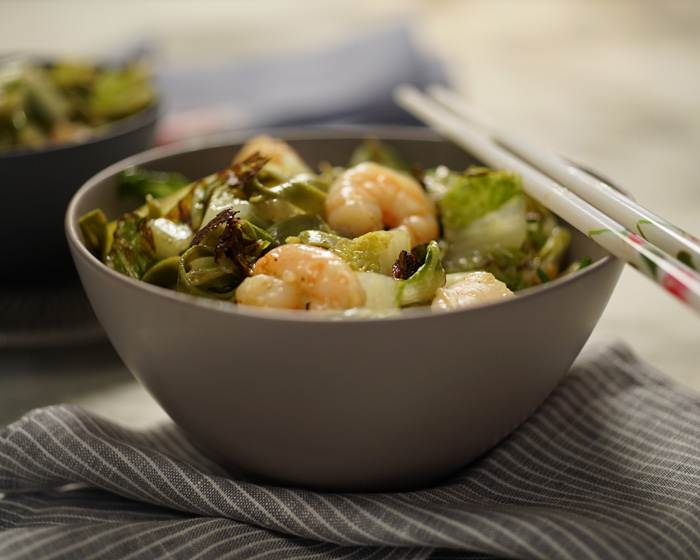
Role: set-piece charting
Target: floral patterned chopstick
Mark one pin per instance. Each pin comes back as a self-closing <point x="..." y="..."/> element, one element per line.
<point x="652" y="227"/>
<point x="675" y="276"/>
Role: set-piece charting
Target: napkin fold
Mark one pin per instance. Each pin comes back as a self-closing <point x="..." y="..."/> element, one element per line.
<point x="608" y="467"/>
<point x="350" y="82"/>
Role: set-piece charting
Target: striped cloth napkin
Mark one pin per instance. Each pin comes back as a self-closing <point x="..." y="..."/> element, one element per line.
<point x="608" y="467"/>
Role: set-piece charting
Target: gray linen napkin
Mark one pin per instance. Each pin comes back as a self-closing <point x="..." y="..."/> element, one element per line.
<point x="608" y="467"/>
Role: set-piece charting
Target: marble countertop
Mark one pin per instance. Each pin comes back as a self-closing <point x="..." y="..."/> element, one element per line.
<point x="615" y="85"/>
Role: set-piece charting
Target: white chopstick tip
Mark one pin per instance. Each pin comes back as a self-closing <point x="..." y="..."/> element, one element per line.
<point x="436" y="90"/>
<point x="405" y="93"/>
<point x="460" y="106"/>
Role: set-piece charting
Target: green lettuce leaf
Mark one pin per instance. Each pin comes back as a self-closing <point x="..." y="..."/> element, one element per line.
<point x="375" y="251"/>
<point x="292" y="227"/>
<point x="474" y="194"/>
<point x="93" y="226"/>
<point x="420" y="288"/>
<point x="142" y="182"/>
<point x="132" y="251"/>
<point x="482" y="211"/>
<point x="503" y="228"/>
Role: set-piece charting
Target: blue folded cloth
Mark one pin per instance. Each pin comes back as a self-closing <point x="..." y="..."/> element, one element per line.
<point x="348" y="83"/>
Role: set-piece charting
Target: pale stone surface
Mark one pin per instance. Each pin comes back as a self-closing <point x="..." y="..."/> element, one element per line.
<point x="613" y="84"/>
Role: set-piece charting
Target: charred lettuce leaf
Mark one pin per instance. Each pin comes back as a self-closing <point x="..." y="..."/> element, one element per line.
<point x="225" y="188"/>
<point x="247" y="188"/>
<point x="405" y="266"/>
<point x="221" y="256"/>
<point x="244" y="174"/>
<point x="242" y="188"/>
<point x="421" y="286"/>
<point x="133" y="251"/>
<point x="236" y="243"/>
<point x="200" y="274"/>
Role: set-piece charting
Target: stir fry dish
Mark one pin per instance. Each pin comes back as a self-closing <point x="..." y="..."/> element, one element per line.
<point x="66" y="101"/>
<point x="371" y="238"/>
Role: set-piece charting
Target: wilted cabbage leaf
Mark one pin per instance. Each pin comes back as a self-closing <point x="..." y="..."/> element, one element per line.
<point x="292" y="227"/>
<point x="420" y="288"/>
<point x="375" y="251"/>
<point x="164" y="273"/>
<point x="482" y="211"/>
<point x="200" y="274"/>
<point x="474" y="194"/>
<point x="301" y="192"/>
<point x="381" y="291"/>
<point x="503" y="228"/>
<point x="93" y="226"/>
<point x="523" y="267"/>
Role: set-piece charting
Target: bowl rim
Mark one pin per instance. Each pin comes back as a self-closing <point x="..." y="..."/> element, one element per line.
<point x="147" y="116"/>
<point x="220" y="140"/>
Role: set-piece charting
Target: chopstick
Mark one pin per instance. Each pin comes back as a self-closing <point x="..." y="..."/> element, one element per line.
<point x="652" y="227"/>
<point x="674" y="276"/>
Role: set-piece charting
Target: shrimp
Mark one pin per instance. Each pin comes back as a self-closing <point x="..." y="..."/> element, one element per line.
<point x="464" y="290"/>
<point x="369" y="197"/>
<point x="300" y="276"/>
<point x="282" y="156"/>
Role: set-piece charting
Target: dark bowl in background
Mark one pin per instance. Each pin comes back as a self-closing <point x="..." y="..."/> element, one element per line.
<point x="37" y="186"/>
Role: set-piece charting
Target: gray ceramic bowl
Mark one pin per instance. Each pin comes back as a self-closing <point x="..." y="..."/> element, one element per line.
<point x="354" y="404"/>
